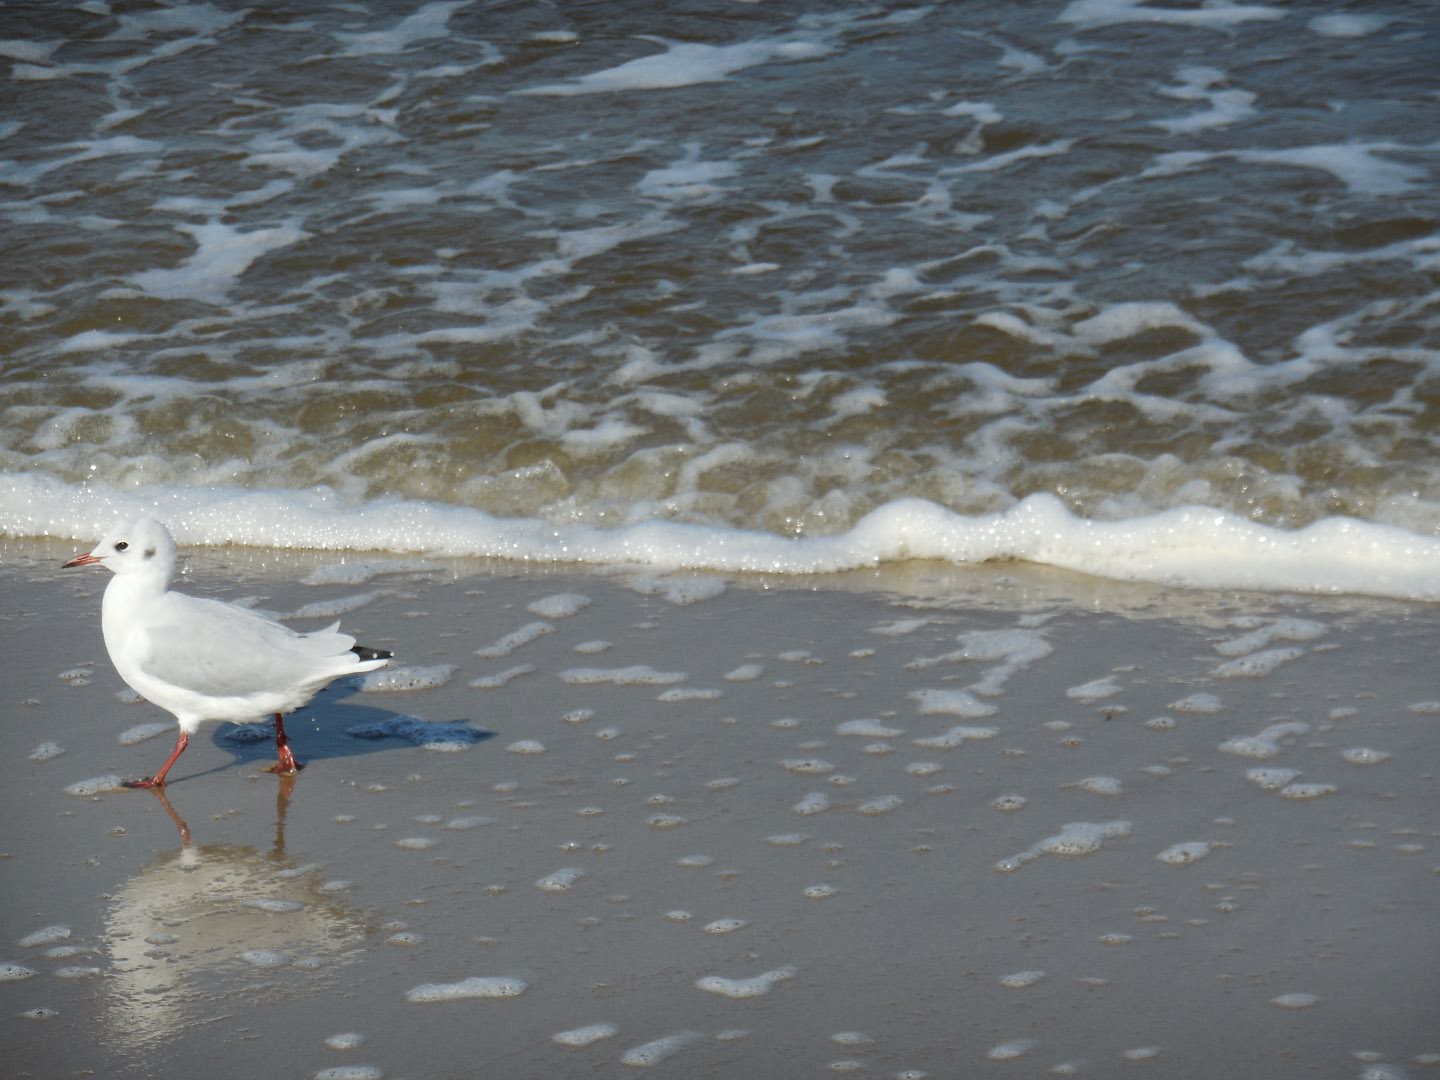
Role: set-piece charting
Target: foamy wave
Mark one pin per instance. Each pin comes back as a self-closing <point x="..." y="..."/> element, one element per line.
<point x="1191" y="546"/>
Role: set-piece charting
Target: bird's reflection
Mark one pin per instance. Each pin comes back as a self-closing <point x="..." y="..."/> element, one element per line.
<point x="216" y="924"/>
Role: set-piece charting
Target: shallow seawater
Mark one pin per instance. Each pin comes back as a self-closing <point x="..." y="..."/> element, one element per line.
<point x="497" y="272"/>
<point x="903" y="833"/>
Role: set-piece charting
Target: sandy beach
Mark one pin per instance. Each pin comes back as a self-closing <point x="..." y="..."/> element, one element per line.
<point x="936" y="823"/>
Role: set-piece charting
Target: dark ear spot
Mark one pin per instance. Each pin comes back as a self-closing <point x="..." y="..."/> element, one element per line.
<point x="149" y="553"/>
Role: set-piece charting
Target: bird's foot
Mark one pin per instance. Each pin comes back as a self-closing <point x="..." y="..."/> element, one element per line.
<point x="147" y="782"/>
<point x="282" y="769"/>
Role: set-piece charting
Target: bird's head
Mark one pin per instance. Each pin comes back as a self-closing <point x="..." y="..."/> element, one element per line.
<point x="143" y="545"/>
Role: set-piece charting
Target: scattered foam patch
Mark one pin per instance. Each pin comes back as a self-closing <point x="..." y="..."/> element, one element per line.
<point x="46" y="751"/>
<point x="559" y="606"/>
<point x="361" y="571"/>
<point x="351" y="1072"/>
<point x="1095" y="690"/>
<point x="681" y="591"/>
<point x="635" y="675"/>
<point x="501" y="678"/>
<point x="1256" y="665"/>
<point x="1184" y="854"/>
<point x="513" y="640"/>
<point x="956" y="736"/>
<point x="141" y="732"/>
<point x="327" y="609"/>
<point x="446" y="737"/>
<point x="1076" y="838"/>
<point x="48" y="936"/>
<point x="96" y="784"/>
<point x="493" y="986"/>
<point x="1266" y="743"/>
<point x="405" y="679"/>
<point x="657" y="1050"/>
<point x="562" y="880"/>
<point x="584" y="1036"/>
<point x="951" y="703"/>
<point x="755" y="986"/>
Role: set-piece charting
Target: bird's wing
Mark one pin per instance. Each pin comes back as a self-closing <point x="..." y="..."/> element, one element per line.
<point x="220" y="650"/>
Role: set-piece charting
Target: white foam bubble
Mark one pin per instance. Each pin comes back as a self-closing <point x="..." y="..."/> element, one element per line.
<point x="14" y="972"/>
<point x="725" y="926"/>
<point x="46" y="751"/>
<point x="1020" y="979"/>
<point x="441" y="737"/>
<point x="351" y="1072"/>
<point x="584" y="1036"/>
<point x="681" y="591"/>
<point x="1256" y="665"/>
<point x="657" y="1050"/>
<point x="507" y="644"/>
<point x="274" y="905"/>
<point x="1095" y="690"/>
<point x="882" y="804"/>
<point x="814" y="803"/>
<point x="96" y="784"/>
<point x="1364" y="755"/>
<point x="951" y="703"/>
<point x="478" y="986"/>
<point x="562" y="880"/>
<point x="1201" y="703"/>
<point x="755" y="986"/>
<point x="807" y="765"/>
<point x="1295" y="1000"/>
<point x="1307" y="791"/>
<point x="1098" y="785"/>
<point x="1184" y="854"/>
<point x="140" y="732"/>
<point x="634" y="675"/>
<point x="1009" y="1051"/>
<point x="869" y="729"/>
<point x="346" y="1040"/>
<point x="1074" y="838"/>
<point x="559" y="606"/>
<point x="328" y="609"/>
<point x="48" y="936"/>
<point x="266" y="958"/>
<point x="1265" y="743"/>
<point x="1287" y="629"/>
<point x="1271" y="779"/>
<point x="957" y="736"/>
<point x="392" y="680"/>
<point x="501" y="678"/>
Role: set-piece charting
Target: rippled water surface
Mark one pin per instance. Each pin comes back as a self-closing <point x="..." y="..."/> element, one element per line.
<point x="763" y="267"/>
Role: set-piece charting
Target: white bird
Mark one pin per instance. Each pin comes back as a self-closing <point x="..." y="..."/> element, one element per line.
<point x="203" y="659"/>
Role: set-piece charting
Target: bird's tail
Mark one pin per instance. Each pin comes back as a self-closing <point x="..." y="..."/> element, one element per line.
<point x="364" y="652"/>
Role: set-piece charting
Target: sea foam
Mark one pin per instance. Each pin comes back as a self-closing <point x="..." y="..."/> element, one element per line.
<point x="1188" y="546"/>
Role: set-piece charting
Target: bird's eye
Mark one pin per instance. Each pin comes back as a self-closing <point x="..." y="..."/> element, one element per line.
<point x="121" y="546"/>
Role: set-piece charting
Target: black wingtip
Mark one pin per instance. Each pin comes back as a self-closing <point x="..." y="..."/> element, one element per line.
<point x="364" y="652"/>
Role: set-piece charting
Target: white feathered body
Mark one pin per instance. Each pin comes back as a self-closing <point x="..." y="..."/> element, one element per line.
<point x="207" y="660"/>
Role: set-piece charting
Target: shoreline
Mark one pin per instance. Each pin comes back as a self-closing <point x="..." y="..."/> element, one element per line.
<point x="787" y="826"/>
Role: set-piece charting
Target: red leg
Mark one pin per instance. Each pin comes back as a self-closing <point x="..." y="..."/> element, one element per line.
<point x="158" y="780"/>
<point x="286" y="765"/>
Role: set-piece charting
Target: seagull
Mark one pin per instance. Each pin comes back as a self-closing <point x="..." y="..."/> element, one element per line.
<point x="204" y="659"/>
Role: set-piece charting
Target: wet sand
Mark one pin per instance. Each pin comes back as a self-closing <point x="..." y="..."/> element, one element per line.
<point x="931" y="822"/>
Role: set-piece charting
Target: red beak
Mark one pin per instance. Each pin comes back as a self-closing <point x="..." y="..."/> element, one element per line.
<point x="82" y="560"/>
